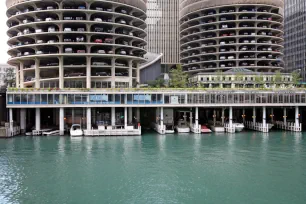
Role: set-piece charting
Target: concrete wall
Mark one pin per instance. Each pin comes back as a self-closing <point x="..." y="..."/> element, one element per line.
<point x="150" y="73"/>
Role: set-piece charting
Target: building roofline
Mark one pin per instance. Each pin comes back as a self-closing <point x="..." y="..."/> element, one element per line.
<point x="151" y="62"/>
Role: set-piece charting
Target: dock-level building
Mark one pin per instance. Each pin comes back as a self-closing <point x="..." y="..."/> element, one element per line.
<point x="120" y="107"/>
<point x="80" y="62"/>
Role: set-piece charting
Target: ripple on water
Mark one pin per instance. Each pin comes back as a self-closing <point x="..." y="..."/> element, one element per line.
<point x="241" y="168"/>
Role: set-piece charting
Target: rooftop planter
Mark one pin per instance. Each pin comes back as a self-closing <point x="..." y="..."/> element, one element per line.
<point x="120" y="90"/>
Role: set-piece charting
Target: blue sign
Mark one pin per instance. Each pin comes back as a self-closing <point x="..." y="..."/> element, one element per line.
<point x="142" y="97"/>
<point x="98" y="97"/>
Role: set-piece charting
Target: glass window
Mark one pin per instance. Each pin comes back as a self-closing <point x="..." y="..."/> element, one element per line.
<point x="71" y="99"/>
<point x="50" y="99"/>
<point x="56" y="99"/>
<point x="78" y="98"/>
<point x="37" y="98"/>
<point x="16" y="98"/>
<point x="44" y="99"/>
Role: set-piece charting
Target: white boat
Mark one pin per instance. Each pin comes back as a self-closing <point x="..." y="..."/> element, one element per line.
<point x="169" y="129"/>
<point x="158" y="128"/>
<point x="53" y="132"/>
<point x="217" y="128"/>
<point x="270" y="126"/>
<point x="238" y="127"/>
<point x="76" y="130"/>
<point x="182" y="127"/>
<point x="29" y="134"/>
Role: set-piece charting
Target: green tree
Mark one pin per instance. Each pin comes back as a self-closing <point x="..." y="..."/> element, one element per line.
<point x="277" y="77"/>
<point x="9" y="77"/>
<point x="219" y="75"/>
<point x="296" y="77"/>
<point x="239" y="77"/>
<point x="259" y="79"/>
<point x="178" y="78"/>
<point x="157" y="83"/>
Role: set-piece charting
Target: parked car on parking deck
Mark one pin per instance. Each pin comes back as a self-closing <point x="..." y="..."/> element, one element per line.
<point x="68" y="50"/>
<point x="98" y="41"/>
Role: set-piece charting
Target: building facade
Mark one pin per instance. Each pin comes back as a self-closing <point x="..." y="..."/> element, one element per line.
<point x="221" y="35"/>
<point x="80" y="61"/>
<point x="242" y="78"/>
<point x="163" y="30"/>
<point x="76" y="44"/>
<point x="81" y="44"/>
<point x="295" y="38"/>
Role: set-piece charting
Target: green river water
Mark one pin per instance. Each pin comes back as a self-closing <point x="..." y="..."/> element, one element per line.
<point x="248" y="167"/>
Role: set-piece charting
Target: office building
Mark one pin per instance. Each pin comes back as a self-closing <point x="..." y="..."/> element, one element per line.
<point x="295" y="36"/>
<point x="163" y="30"/>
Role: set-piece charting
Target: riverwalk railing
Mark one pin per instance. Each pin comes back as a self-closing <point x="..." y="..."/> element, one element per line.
<point x="257" y="126"/>
<point x="128" y="131"/>
<point x="7" y="132"/>
<point x="229" y="128"/>
<point x="291" y="126"/>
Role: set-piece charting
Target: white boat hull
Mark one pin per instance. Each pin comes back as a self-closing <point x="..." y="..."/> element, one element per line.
<point x="170" y="131"/>
<point x="158" y="128"/>
<point x="76" y="133"/>
<point x="238" y="127"/>
<point x="183" y="129"/>
<point x="270" y="126"/>
<point x="49" y="133"/>
<point x="217" y="129"/>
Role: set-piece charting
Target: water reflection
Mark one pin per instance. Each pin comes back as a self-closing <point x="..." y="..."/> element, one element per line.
<point x="284" y="137"/>
<point x="231" y="145"/>
<point x="297" y="142"/>
<point x="88" y="143"/>
<point x="161" y="140"/>
<point x="231" y="140"/>
<point x="197" y="144"/>
<point x="36" y="143"/>
<point x="264" y="146"/>
<point x="61" y="146"/>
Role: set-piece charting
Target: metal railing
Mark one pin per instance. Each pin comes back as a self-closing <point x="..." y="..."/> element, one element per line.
<point x="156" y="97"/>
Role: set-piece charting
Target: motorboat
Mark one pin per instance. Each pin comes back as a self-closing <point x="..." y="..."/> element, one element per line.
<point x="52" y="132"/>
<point x="169" y="129"/>
<point x="238" y="127"/>
<point x="76" y="130"/>
<point x="270" y="126"/>
<point x="217" y="128"/>
<point x="182" y="127"/>
<point x="158" y="128"/>
<point x="205" y="129"/>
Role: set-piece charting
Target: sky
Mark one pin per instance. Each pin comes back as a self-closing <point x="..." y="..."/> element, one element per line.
<point x="3" y="37"/>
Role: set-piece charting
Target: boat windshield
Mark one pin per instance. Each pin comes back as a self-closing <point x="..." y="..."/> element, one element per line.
<point x="76" y="127"/>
